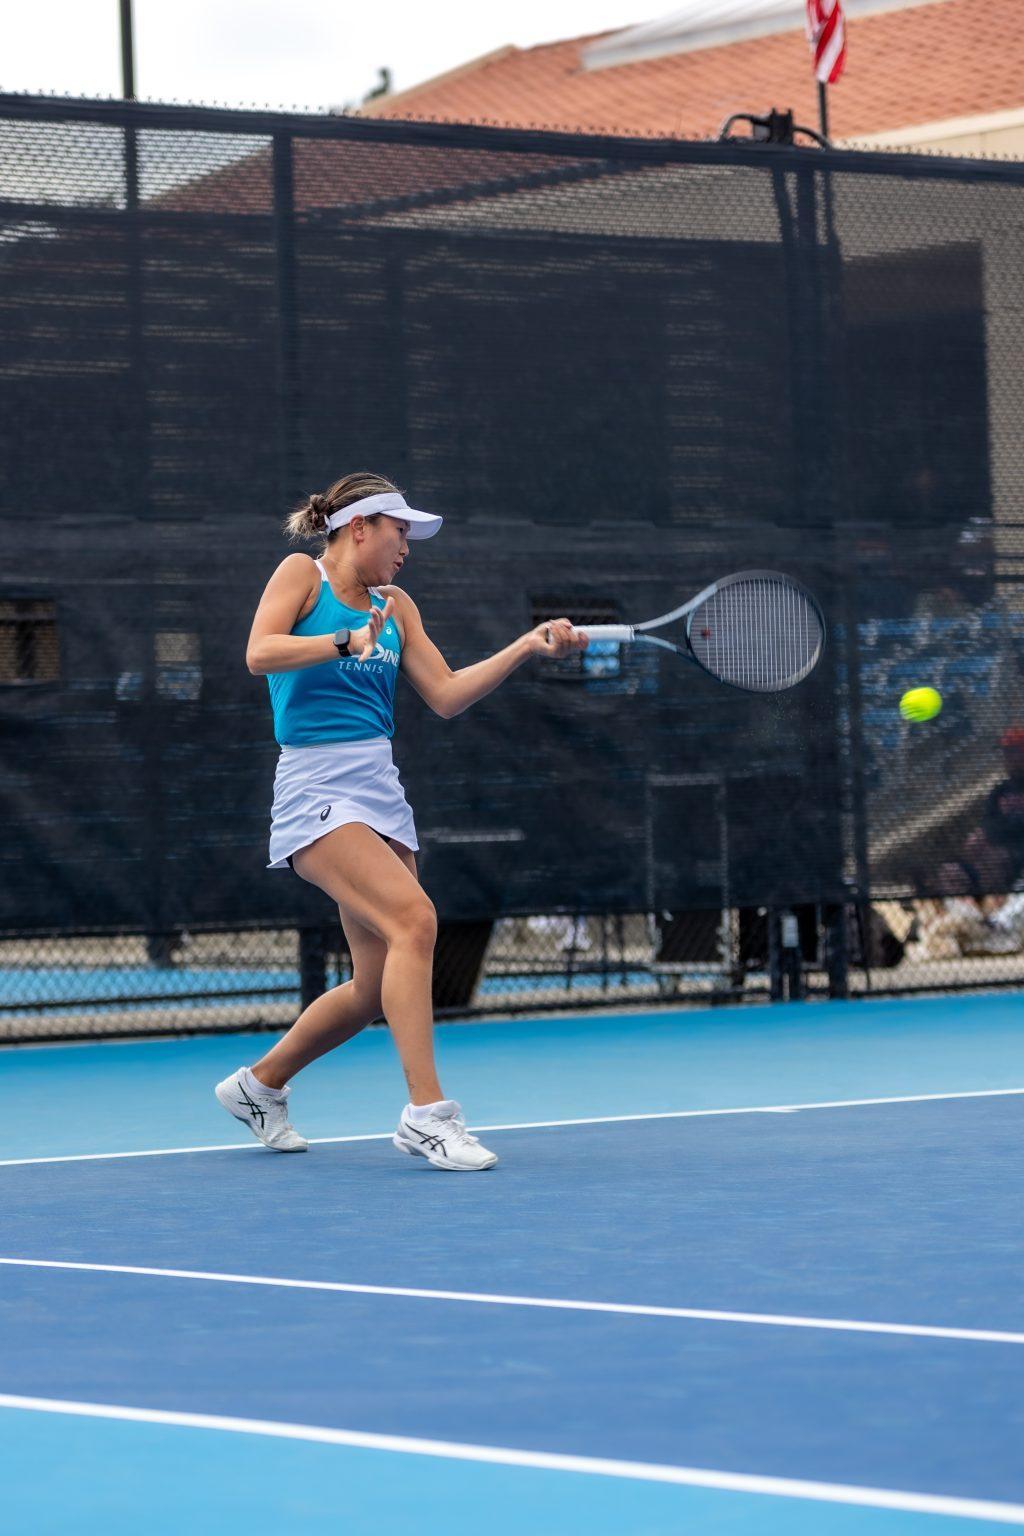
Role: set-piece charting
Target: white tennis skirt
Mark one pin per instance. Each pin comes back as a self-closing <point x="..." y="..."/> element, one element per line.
<point x="319" y="788"/>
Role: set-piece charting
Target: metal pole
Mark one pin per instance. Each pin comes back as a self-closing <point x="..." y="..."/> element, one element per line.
<point x="290" y="444"/>
<point x="127" y="52"/>
<point x="153" y="747"/>
<point x="823" y="108"/>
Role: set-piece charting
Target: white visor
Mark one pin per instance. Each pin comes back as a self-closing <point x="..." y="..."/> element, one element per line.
<point x="422" y="525"/>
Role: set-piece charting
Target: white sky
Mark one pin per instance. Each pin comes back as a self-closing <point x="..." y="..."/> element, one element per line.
<point x="279" y="53"/>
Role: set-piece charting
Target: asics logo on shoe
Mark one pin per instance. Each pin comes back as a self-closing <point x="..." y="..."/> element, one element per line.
<point x="255" y="1110"/>
<point x="435" y="1143"/>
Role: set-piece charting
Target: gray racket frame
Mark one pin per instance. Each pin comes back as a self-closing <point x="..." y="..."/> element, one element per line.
<point x="629" y="634"/>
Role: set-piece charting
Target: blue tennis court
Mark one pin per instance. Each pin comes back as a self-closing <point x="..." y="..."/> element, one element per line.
<point x="749" y="1271"/>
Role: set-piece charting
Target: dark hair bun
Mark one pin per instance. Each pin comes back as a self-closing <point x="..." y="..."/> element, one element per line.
<point x="320" y="507"/>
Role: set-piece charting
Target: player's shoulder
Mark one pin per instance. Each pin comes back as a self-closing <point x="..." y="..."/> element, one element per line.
<point x="403" y="602"/>
<point x="296" y="568"/>
<point x="407" y="615"/>
<point x="298" y="560"/>
<point x="296" y="577"/>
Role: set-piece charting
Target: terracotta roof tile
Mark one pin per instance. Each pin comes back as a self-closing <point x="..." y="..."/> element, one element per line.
<point x="344" y="173"/>
<point x="950" y="58"/>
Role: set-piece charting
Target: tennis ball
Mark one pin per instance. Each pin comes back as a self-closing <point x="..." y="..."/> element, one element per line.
<point x="921" y="704"/>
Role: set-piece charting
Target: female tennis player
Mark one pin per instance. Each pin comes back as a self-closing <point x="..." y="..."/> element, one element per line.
<point x="331" y="635"/>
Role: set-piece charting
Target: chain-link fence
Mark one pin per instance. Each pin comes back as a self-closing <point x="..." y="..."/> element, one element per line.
<point x="621" y="369"/>
<point x="63" y="986"/>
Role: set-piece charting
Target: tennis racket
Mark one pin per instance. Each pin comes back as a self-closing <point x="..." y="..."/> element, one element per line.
<point x="757" y="630"/>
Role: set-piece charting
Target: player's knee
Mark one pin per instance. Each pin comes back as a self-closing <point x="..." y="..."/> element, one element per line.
<point x="417" y="926"/>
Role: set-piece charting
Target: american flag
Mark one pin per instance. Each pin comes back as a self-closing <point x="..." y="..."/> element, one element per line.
<point x="826" y="31"/>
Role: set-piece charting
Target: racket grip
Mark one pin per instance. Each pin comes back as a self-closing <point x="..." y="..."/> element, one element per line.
<point x="620" y="632"/>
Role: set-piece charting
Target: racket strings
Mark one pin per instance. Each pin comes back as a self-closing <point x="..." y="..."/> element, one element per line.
<point x="760" y="633"/>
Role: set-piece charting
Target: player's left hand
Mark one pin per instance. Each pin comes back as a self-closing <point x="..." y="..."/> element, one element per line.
<point x="361" y="642"/>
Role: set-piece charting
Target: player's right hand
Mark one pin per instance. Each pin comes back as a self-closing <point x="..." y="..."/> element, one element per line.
<point x="556" y="638"/>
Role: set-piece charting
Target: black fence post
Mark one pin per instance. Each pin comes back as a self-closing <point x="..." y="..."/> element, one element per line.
<point x="458" y="961"/>
<point x="837" y="954"/>
<point x="312" y="965"/>
<point x="291" y="443"/>
<point x="134" y="475"/>
<point x="776" y="985"/>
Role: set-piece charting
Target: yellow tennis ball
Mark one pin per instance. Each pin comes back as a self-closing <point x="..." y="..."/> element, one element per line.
<point x="921" y="704"/>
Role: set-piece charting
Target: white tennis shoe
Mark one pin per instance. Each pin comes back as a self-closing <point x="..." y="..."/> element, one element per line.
<point x="266" y="1114"/>
<point x="441" y="1137"/>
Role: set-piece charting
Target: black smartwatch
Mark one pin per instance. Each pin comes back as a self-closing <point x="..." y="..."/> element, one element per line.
<point x="341" y="639"/>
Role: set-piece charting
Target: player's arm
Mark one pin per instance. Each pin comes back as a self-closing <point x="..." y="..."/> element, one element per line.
<point x="450" y="692"/>
<point x="272" y="648"/>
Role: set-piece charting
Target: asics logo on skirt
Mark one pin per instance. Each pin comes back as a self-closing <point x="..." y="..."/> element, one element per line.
<point x="325" y="813"/>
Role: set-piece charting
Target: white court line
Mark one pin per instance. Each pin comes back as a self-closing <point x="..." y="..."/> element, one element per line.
<point x="497" y="1455"/>
<point x="536" y="1125"/>
<point x="552" y="1303"/>
<point x="222" y="1146"/>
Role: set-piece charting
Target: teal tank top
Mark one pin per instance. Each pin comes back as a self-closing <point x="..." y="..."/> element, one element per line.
<point x="342" y="700"/>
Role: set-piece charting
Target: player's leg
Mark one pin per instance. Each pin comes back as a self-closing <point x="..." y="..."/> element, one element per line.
<point x="340" y="1013"/>
<point x="378" y="887"/>
<point x="383" y="907"/>
<point x="257" y="1095"/>
<point x="335" y="1017"/>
